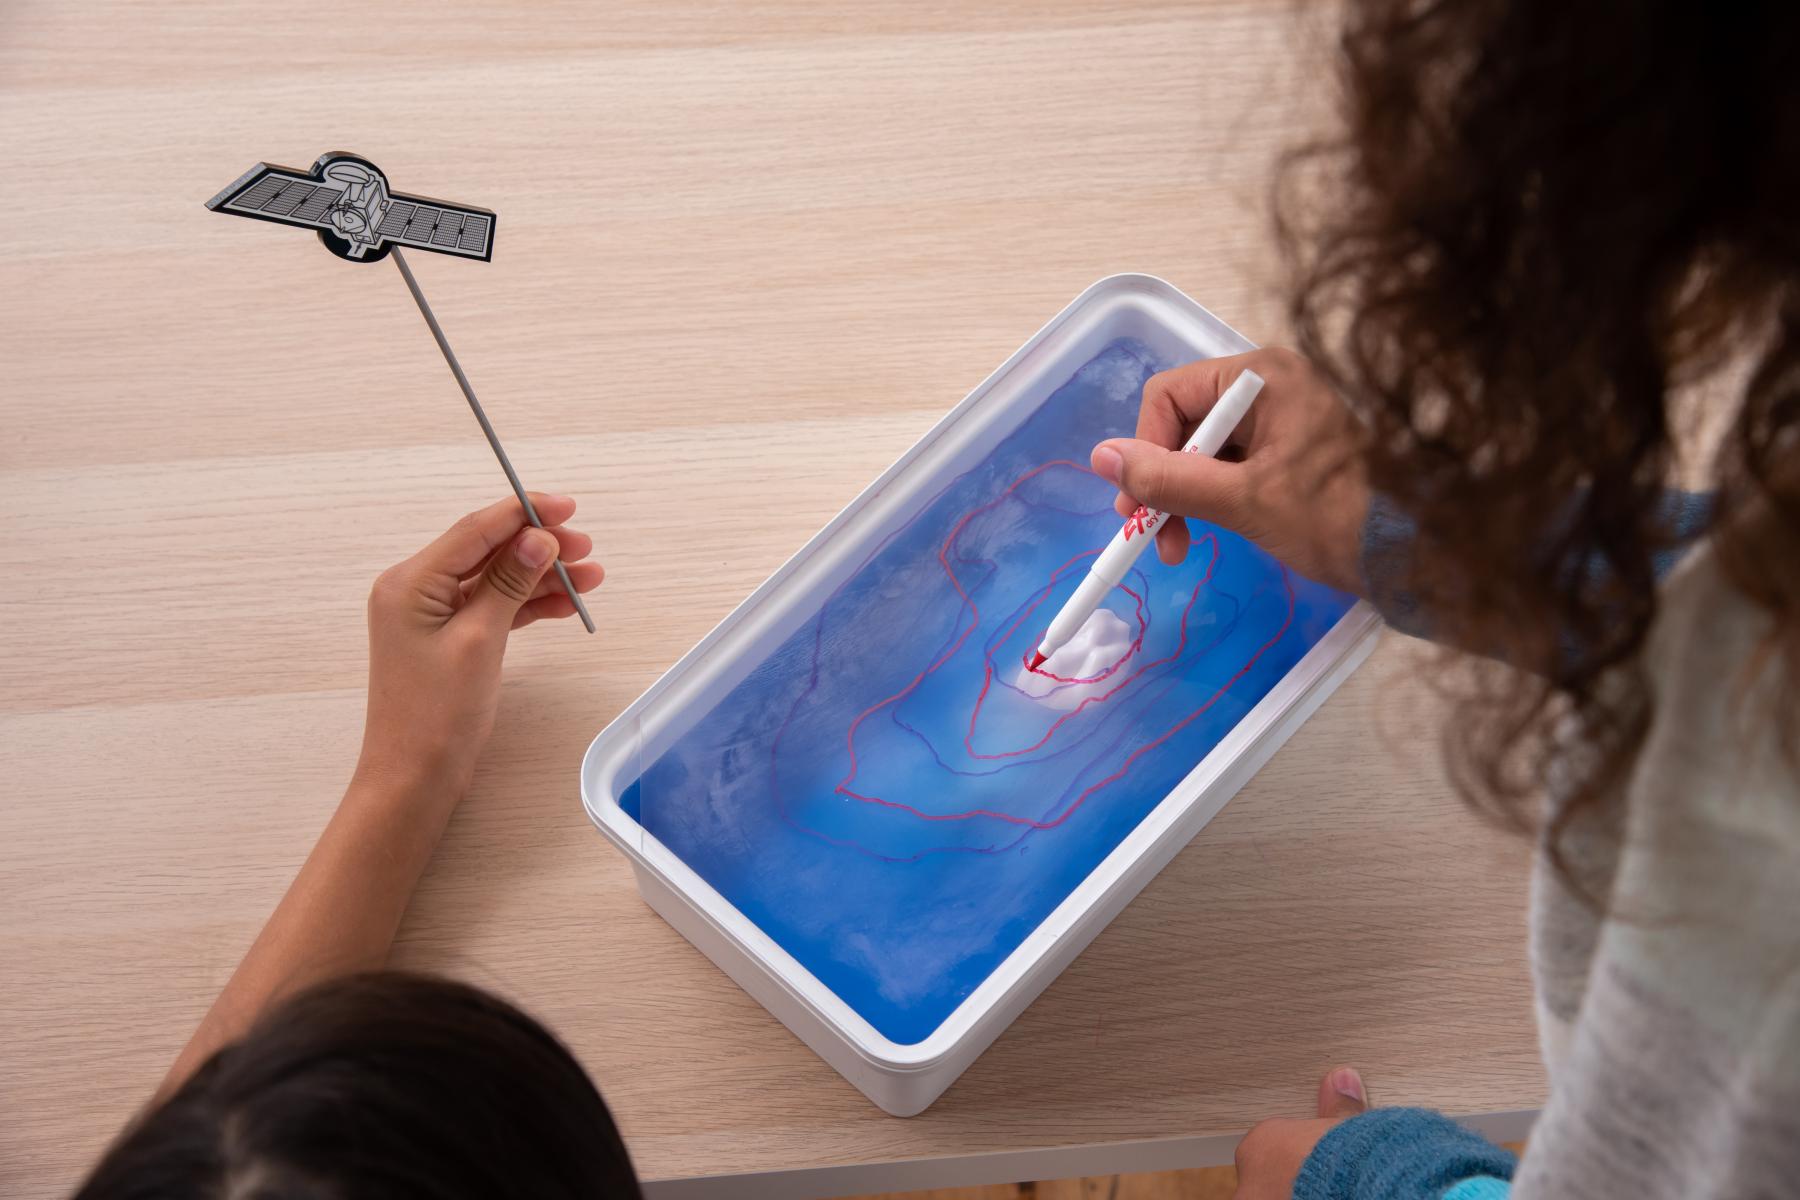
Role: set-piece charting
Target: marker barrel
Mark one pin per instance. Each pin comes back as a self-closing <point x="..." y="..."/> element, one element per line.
<point x="1140" y="528"/>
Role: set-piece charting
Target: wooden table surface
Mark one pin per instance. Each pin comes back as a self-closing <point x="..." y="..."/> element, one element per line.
<point x="747" y="255"/>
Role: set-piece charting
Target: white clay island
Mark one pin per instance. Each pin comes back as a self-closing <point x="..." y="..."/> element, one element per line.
<point x="1103" y="640"/>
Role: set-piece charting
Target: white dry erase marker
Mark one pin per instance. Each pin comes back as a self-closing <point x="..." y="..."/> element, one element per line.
<point x="1140" y="529"/>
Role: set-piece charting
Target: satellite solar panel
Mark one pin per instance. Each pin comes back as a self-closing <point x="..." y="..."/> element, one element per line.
<point x="284" y="202"/>
<point x="393" y="223"/>
<point x="474" y="234"/>
<point x="313" y="207"/>
<point x="265" y="190"/>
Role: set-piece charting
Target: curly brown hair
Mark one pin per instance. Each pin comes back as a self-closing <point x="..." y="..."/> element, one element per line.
<point x="1542" y="219"/>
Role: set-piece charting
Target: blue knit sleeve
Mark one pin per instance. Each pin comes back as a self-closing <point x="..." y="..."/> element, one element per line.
<point x="1388" y="535"/>
<point x="1402" y="1154"/>
<point x="1387" y="540"/>
<point x="1480" y="1187"/>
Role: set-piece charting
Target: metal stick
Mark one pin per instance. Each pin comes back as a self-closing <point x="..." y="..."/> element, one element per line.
<point x="512" y="476"/>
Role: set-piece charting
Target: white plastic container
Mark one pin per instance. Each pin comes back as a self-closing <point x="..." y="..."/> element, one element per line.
<point x="905" y="1079"/>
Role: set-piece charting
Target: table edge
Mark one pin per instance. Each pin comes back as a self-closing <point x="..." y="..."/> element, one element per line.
<point x="1008" y="1166"/>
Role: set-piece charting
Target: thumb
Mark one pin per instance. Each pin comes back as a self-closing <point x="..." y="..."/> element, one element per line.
<point x="1342" y="1094"/>
<point x="1188" y="485"/>
<point x="510" y="577"/>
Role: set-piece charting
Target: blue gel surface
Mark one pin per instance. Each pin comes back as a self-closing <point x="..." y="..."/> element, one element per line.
<point x="901" y="878"/>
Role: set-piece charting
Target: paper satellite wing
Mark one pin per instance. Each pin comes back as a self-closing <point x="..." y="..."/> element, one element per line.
<point x="346" y="200"/>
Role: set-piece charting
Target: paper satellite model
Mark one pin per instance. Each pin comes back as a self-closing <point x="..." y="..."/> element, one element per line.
<point x="346" y="199"/>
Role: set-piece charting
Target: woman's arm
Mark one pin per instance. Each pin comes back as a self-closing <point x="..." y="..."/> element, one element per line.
<point x="438" y="625"/>
<point x="1387" y="547"/>
<point x="1296" y="488"/>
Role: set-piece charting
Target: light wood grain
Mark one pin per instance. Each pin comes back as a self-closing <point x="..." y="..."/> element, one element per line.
<point x="747" y="254"/>
<point x="1212" y="1183"/>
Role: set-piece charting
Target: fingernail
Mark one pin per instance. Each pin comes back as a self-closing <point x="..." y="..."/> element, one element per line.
<point x="534" y="548"/>
<point x="1346" y="1082"/>
<point x="560" y="498"/>
<point x="1109" y="464"/>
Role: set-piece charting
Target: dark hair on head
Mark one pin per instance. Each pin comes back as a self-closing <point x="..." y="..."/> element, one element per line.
<point x="382" y="1085"/>
<point x="1541" y="219"/>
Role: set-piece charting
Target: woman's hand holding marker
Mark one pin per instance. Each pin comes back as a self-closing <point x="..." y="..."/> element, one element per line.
<point x="1288" y="480"/>
<point x="438" y="625"/>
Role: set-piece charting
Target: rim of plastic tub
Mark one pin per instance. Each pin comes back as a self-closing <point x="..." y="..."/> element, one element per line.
<point x="611" y="759"/>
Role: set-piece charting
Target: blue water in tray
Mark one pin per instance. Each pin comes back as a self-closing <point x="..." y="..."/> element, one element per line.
<point x="902" y="877"/>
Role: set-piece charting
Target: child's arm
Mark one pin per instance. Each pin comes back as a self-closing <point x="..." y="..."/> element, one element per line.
<point x="1352" y="1152"/>
<point x="438" y="625"/>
